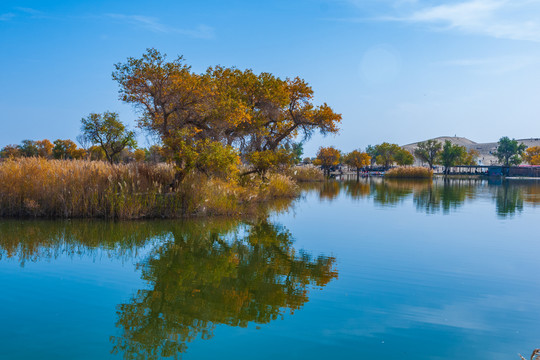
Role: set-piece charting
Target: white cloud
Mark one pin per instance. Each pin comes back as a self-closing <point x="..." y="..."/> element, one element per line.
<point x="6" y="16"/>
<point x="153" y="24"/>
<point x="503" y="19"/>
<point x="516" y="19"/>
<point x="31" y="11"/>
<point x="497" y="65"/>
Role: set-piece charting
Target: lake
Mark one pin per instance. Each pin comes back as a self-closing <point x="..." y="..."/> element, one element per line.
<point x="351" y="270"/>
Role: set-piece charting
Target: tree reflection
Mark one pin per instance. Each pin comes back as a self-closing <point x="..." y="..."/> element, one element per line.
<point x="390" y="192"/>
<point x="446" y="195"/>
<point x="329" y="190"/>
<point x="200" y="274"/>
<point x="439" y="195"/>
<point x="357" y="189"/>
<point x="508" y="199"/>
<point x="531" y="192"/>
<point x="205" y="276"/>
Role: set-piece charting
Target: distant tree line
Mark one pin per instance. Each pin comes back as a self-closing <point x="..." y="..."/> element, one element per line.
<point x="68" y="150"/>
<point x="431" y="152"/>
<point x="385" y="155"/>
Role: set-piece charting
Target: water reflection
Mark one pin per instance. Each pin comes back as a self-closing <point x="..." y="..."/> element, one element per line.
<point x="37" y="240"/>
<point x="391" y="192"/>
<point x="329" y="190"/>
<point x="446" y="196"/>
<point x="197" y="274"/>
<point x="440" y="195"/>
<point x="203" y="278"/>
<point x="508" y="200"/>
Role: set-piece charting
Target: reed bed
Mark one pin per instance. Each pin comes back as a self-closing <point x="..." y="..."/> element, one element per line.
<point x="34" y="187"/>
<point x="414" y="172"/>
<point x="306" y="174"/>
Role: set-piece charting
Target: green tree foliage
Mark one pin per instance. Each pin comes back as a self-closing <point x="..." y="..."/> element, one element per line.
<point x="66" y="149"/>
<point x="108" y="132"/>
<point x="372" y="152"/>
<point x="297" y="150"/>
<point x="252" y="112"/>
<point x="206" y="156"/>
<point x="428" y="151"/>
<point x="403" y="157"/>
<point x="95" y="152"/>
<point x="509" y="152"/>
<point x="451" y="155"/>
<point x="29" y="148"/>
<point x="386" y="153"/>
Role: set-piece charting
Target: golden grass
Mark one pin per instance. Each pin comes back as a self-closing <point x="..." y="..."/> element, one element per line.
<point x="414" y="172"/>
<point x="306" y="174"/>
<point x="33" y="187"/>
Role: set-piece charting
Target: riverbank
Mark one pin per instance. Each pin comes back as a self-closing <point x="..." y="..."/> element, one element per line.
<point x="40" y="188"/>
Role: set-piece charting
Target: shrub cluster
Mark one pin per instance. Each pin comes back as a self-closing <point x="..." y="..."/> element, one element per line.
<point x="415" y="172"/>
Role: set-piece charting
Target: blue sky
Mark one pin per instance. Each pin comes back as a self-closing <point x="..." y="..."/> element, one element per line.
<point x="398" y="70"/>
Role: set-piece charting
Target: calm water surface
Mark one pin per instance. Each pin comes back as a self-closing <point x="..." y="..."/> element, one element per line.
<point x="354" y="270"/>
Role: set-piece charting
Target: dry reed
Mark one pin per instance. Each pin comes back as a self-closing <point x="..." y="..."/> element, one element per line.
<point x="409" y="173"/>
<point x="33" y="187"/>
<point x="306" y="174"/>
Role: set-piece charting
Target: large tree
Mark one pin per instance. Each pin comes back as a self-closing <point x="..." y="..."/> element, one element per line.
<point x="386" y="152"/>
<point x="403" y="157"/>
<point x="357" y="160"/>
<point x="252" y="112"/>
<point x="372" y="152"/>
<point x="470" y="158"/>
<point x="10" y="151"/>
<point x="108" y="132"/>
<point x="327" y="157"/>
<point x="45" y="148"/>
<point x="509" y="151"/>
<point x="428" y="151"/>
<point x="451" y="155"/>
<point x="29" y="148"/>
<point x="532" y="155"/>
<point x="66" y="149"/>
